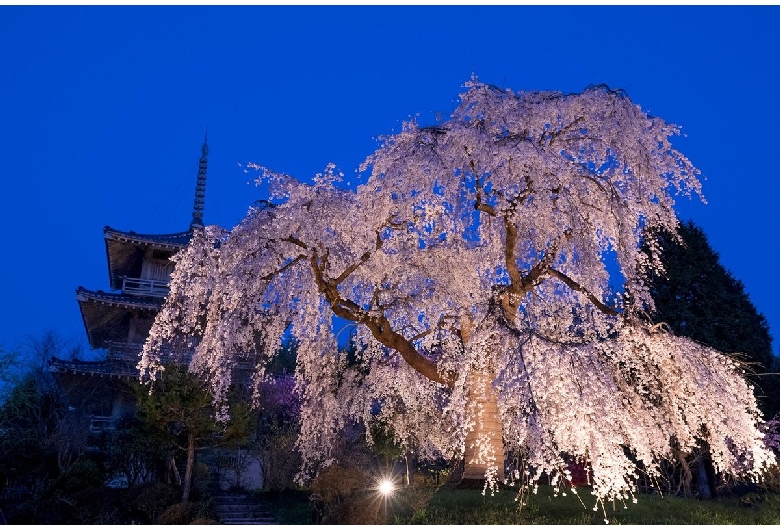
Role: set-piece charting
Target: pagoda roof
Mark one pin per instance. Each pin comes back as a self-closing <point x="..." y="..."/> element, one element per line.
<point x="118" y="299"/>
<point x="163" y="241"/>
<point x="107" y="368"/>
<point x="128" y="368"/>
<point x="107" y="315"/>
<point x="125" y="251"/>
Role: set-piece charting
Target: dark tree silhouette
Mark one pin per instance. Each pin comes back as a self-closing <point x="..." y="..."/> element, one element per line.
<point x="700" y="299"/>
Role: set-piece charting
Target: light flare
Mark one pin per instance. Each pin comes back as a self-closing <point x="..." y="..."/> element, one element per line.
<point x="386" y="487"/>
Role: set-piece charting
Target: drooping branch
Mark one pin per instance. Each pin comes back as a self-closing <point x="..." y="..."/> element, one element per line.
<point x="378" y="324"/>
<point x="441" y="324"/>
<point x="478" y="204"/>
<point x="510" y="241"/>
<point x="352" y="268"/>
<point x="366" y="255"/>
<point x="571" y="284"/>
<point x="383" y="332"/>
<point x="271" y="275"/>
<point x="566" y="381"/>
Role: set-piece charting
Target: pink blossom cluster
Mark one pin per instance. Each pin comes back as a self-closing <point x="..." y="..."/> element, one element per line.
<point x="476" y="260"/>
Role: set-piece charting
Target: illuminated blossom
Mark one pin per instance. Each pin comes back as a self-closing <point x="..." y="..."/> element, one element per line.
<point x="477" y="260"/>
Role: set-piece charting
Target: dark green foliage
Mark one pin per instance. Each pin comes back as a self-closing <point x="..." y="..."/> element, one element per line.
<point x="701" y="299"/>
<point x="178" y="401"/>
<point x="180" y="409"/>
<point x="187" y="513"/>
<point x="152" y="499"/>
<point x="28" y="420"/>
<point x="275" y="441"/>
<point x="96" y="505"/>
<point x="278" y="422"/>
<point x="289" y="506"/>
<point x="450" y="506"/>
<point x="54" y="471"/>
<point x="346" y="494"/>
<point x="82" y="475"/>
<point x="134" y="450"/>
<point x="386" y="449"/>
<point x="283" y="363"/>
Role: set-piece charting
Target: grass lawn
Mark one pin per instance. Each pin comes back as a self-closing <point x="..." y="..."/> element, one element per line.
<point x="447" y="505"/>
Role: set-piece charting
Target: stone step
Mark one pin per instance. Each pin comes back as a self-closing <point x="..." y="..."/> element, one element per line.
<point x="248" y="522"/>
<point x="235" y="507"/>
<point x="240" y="509"/>
<point x="244" y="515"/>
<point x="236" y="520"/>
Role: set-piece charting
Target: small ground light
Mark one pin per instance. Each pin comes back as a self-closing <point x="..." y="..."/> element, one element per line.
<point x="386" y="487"/>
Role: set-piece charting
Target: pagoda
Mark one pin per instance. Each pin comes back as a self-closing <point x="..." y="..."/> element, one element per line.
<point x="118" y="321"/>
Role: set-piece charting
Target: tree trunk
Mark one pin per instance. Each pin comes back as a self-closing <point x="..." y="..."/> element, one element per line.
<point x="705" y="492"/>
<point x="185" y="497"/>
<point x="172" y="471"/>
<point x="484" y="444"/>
<point x="687" y="476"/>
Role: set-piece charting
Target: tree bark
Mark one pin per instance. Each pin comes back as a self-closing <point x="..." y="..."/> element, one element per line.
<point x="484" y="444"/>
<point x="687" y="475"/>
<point x="705" y="492"/>
<point x="172" y="471"/>
<point x="185" y="497"/>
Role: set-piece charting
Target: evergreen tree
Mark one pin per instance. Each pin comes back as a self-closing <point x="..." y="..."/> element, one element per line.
<point x="700" y="299"/>
<point x="180" y="404"/>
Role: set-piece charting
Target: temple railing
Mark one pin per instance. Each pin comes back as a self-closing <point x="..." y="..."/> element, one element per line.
<point x="131" y="352"/>
<point x="101" y="423"/>
<point x="144" y="287"/>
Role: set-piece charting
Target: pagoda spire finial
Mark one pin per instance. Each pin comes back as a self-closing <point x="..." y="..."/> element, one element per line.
<point x="200" y="186"/>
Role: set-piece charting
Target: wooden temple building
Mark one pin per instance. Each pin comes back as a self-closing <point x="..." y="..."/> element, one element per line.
<point x="118" y="321"/>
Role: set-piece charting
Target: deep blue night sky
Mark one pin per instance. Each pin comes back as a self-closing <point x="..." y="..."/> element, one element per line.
<point x="103" y="111"/>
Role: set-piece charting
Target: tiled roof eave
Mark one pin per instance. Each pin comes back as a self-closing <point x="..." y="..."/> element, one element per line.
<point x="118" y="300"/>
<point x="94" y="368"/>
<point x="174" y="241"/>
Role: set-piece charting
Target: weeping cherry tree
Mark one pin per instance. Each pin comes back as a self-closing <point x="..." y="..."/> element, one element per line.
<point x="490" y="265"/>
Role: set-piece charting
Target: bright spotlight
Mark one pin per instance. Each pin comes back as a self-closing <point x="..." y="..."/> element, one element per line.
<point x="386" y="487"/>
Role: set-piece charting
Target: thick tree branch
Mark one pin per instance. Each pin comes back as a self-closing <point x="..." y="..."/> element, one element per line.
<point x="283" y="268"/>
<point x="352" y="268"/>
<point x="510" y="242"/>
<point x="510" y="262"/>
<point x="537" y="271"/>
<point x="383" y="332"/>
<point x="367" y="255"/>
<point x="378" y="325"/>
<point x="439" y="326"/>
<point x="295" y="241"/>
<point x="577" y="287"/>
<point x="478" y="204"/>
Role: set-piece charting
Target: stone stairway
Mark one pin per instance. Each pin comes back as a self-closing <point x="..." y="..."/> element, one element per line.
<point x="240" y="508"/>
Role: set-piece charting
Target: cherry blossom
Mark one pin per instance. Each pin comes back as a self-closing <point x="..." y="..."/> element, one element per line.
<point x="491" y="267"/>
